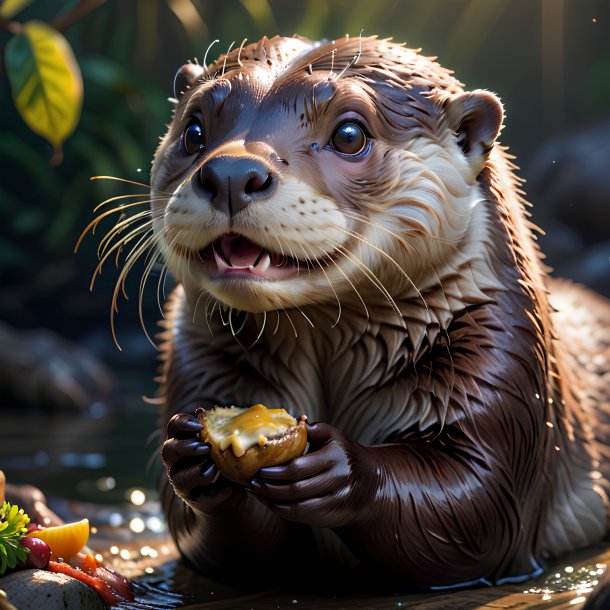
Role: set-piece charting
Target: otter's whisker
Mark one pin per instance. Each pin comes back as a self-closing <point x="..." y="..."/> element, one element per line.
<point x="209" y="318"/>
<point x="260" y="333"/>
<point x="220" y="308"/>
<point x="367" y="242"/>
<point x="97" y="220"/>
<point x="130" y="196"/>
<point x="371" y="276"/>
<point x="355" y="59"/>
<point x="205" y="56"/>
<point x="120" y="283"/>
<point x="231" y="321"/>
<point x="224" y="65"/>
<point x="143" y="244"/>
<point x="118" y="228"/>
<point x="145" y="277"/>
<point x="304" y="315"/>
<point x="242" y="324"/>
<point x="147" y="186"/>
<point x="308" y="260"/>
<point x="329" y="283"/>
<point x="399" y="238"/>
<point x="161" y="279"/>
<point x="334" y="262"/>
<point x="279" y="243"/>
<point x="296" y="335"/>
<point x="117" y="247"/>
<point x="241" y="46"/>
<point x="202" y="292"/>
<point x="277" y="322"/>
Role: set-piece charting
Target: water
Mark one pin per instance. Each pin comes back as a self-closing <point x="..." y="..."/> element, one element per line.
<point x="96" y="465"/>
<point x="97" y="459"/>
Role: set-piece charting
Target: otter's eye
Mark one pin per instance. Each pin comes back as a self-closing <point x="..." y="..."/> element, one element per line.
<point x="192" y="137"/>
<point x="349" y="139"/>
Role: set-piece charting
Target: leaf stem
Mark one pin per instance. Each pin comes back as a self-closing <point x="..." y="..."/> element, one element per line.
<point x="12" y="26"/>
<point x="83" y="8"/>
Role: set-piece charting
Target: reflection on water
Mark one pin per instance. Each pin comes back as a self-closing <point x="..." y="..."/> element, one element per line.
<point x="79" y="456"/>
<point x="581" y="580"/>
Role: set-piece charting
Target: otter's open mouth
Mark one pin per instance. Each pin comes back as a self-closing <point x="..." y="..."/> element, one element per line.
<point x="236" y="256"/>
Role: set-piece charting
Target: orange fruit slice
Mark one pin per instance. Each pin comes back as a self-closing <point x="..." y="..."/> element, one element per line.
<point x="64" y="540"/>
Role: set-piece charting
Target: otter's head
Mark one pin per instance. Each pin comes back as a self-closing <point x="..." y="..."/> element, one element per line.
<point x="296" y="172"/>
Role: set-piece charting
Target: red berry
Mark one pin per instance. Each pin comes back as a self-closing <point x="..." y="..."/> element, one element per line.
<point x="39" y="554"/>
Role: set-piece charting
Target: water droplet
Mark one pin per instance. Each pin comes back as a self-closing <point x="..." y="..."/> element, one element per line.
<point x="114" y="550"/>
<point x="315" y="147"/>
<point x="139" y="169"/>
<point x="568" y="569"/>
<point x="124" y="554"/>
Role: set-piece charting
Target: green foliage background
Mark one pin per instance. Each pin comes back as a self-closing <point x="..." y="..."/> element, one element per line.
<point x="128" y="51"/>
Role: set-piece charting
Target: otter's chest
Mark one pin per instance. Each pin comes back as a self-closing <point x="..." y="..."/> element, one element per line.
<point x="362" y="385"/>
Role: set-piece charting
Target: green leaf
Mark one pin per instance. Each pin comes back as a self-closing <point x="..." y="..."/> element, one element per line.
<point x="46" y="82"/>
<point x="14" y="522"/>
<point x="9" y="8"/>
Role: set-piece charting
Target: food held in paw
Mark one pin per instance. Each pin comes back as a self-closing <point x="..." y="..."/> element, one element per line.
<point x="242" y="441"/>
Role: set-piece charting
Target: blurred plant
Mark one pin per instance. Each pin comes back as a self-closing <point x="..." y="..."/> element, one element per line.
<point x="45" y="79"/>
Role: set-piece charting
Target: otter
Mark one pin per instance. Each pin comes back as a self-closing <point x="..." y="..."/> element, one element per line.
<point x="350" y="242"/>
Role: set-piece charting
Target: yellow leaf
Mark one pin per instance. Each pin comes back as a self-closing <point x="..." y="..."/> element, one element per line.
<point x="46" y="82"/>
<point x="8" y="8"/>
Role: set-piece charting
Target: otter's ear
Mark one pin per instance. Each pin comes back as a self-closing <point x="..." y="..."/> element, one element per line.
<point x="185" y="77"/>
<point x="476" y="117"/>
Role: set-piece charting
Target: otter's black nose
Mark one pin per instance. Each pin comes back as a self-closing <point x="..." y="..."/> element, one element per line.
<point x="232" y="183"/>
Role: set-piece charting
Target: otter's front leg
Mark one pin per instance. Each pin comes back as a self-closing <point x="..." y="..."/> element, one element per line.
<point x="426" y="513"/>
<point x="219" y="527"/>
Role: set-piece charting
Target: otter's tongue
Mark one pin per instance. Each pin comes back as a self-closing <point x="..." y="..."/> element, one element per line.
<point x="234" y="253"/>
<point x="238" y="251"/>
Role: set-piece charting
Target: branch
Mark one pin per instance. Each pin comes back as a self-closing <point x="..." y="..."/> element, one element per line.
<point x="11" y="26"/>
<point x="83" y="8"/>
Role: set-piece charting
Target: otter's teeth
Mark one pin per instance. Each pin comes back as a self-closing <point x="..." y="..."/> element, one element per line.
<point x="221" y="264"/>
<point x="264" y="262"/>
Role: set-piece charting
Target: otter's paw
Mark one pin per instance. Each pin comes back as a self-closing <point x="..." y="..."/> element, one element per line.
<point x="190" y="470"/>
<point x="323" y="488"/>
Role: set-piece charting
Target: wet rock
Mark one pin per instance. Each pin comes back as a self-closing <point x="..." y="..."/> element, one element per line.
<point x="60" y="374"/>
<point x="568" y="181"/>
<point x="35" y="589"/>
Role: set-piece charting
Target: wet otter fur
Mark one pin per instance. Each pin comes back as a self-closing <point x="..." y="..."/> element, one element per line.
<point x="401" y="302"/>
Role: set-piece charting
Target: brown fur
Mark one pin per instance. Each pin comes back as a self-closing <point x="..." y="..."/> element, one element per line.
<point x="482" y="407"/>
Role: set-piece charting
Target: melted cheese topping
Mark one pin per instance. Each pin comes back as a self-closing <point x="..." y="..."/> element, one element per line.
<point x="244" y="428"/>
